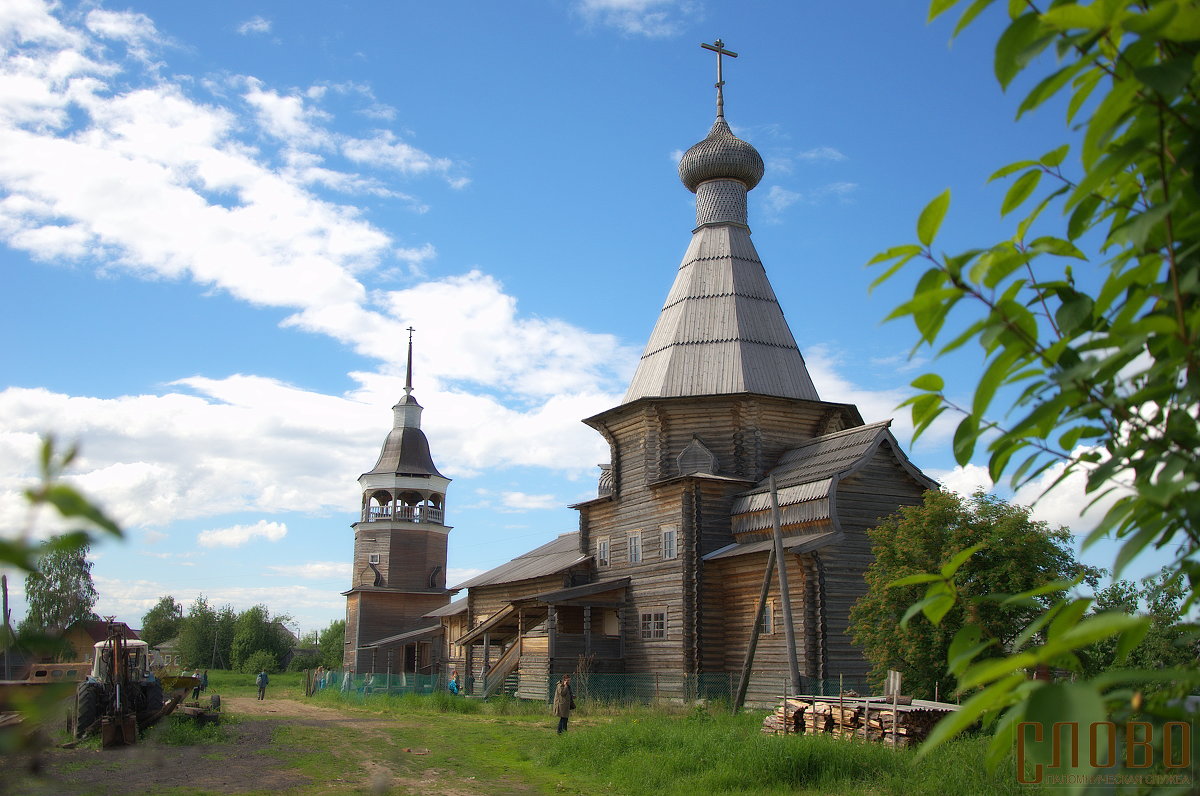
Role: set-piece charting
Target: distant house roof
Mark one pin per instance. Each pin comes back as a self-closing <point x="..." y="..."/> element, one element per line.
<point x="449" y="609"/>
<point x="412" y="635"/>
<point x="97" y="629"/>
<point x="807" y="475"/>
<point x="549" y="559"/>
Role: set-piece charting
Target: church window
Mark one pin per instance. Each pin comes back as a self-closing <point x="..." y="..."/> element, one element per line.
<point x="602" y="555"/>
<point x="670" y="547"/>
<point x="654" y="623"/>
<point x="768" y="620"/>
<point x="373" y="558"/>
<point x="635" y="547"/>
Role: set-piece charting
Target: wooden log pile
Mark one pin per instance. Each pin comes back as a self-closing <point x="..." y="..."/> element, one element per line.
<point x="869" y="718"/>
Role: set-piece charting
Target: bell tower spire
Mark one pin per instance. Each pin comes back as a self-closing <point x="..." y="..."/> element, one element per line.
<point x="399" y="571"/>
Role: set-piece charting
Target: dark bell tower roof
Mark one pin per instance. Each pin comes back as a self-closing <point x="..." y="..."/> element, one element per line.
<point x="405" y="452"/>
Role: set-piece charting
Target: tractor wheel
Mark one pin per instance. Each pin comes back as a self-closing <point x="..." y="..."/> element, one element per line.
<point x="89" y="697"/>
<point x="153" y="704"/>
<point x="214" y="701"/>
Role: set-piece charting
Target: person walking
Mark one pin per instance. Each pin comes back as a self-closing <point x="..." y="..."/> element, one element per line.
<point x="204" y="681"/>
<point x="564" y="703"/>
<point x="261" y="681"/>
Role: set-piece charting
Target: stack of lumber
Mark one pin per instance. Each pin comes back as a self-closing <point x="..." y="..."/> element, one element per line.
<point x="870" y="718"/>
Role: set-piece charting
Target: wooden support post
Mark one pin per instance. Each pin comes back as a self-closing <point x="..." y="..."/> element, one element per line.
<point x="487" y="658"/>
<point x="587" y="630"/>
<point x="785" y="598"/>
<point x="744" y="682"/>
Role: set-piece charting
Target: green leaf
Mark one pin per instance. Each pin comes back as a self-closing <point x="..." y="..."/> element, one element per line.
<point x="1071" y="16"/>
<point x="1169" y="79"/>
<point x="939" y="7"/>
<point x="924" y="577"/>
<point x="969" y="15"/>
<point x="931" y="217"/>
<point x="929" y="382"/>
<point x="952" y="566"/>
<point x="908" y="250"/>
<point x="1014" y="45"/>
<point x="964" y="439"/>
<point x="72" y="504"/>
<point x="1020" y="190"/>
<point x="936" y="607"/>
<point x="1061" y="702"/>
<point x="970" y="712"/>
<point x="1048" y="87"/>
<point x="1011" y="168"/>
<point x="1055" y="157"/>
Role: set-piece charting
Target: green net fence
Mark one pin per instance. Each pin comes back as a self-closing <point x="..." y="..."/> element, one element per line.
<point x="615" y="689"/>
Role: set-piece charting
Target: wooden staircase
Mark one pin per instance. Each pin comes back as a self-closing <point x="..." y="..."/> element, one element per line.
<point x="501" y="670"/>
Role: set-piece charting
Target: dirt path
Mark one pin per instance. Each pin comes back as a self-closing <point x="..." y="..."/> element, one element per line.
<point x="363" y="749"/>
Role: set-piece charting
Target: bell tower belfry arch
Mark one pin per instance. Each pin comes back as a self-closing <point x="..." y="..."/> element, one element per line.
<point x="399" y="567"/>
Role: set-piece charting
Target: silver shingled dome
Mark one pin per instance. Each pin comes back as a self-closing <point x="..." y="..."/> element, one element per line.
<point x="721" y="155"/>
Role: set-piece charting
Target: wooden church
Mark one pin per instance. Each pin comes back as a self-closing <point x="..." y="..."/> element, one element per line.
<point x="663" y="575"/>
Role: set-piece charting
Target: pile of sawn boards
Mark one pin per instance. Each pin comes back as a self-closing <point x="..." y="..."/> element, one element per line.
<point x="906" y="723"/>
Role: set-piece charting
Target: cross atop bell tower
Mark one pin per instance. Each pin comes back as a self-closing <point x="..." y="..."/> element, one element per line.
<point x="719" y="48"/>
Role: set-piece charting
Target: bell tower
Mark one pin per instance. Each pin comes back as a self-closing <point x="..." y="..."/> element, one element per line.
<point x="399" y="569"/>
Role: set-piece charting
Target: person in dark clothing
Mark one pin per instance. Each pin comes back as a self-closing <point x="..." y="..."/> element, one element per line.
<point x="564" y="702"/>
<point x="261" y="681"/>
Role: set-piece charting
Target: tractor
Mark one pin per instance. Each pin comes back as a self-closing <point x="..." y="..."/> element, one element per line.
<point x="121" y="695"/>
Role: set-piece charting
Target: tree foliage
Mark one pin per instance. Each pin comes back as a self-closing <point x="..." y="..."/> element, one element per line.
<point x="332" y="643"/>
<point x="1092" y="363"/>
<point x="256" y="631"/>
<point x="206" y="635"/>
<point x="59" y="592"/>
<point x="162" y="622"/>
<point x="1014" y="554"/>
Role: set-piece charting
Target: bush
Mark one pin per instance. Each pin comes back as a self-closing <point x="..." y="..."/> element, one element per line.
<point x="304" y="660"/>
<point x="261" y="661"/>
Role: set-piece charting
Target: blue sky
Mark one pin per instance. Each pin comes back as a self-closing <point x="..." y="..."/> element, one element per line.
<point x="217" y="219"/>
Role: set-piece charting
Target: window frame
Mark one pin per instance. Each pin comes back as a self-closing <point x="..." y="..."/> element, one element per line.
<point x="674" y="534"/>
<point x="603" y="551"/>
<point x="372" y="558"/>
<point x="630" y="547"/>
<point x="648" y="618"/>
<point x="768" y="619"/>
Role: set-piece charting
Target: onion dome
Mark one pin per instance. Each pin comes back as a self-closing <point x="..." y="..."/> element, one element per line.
<point x="721" y="155"/>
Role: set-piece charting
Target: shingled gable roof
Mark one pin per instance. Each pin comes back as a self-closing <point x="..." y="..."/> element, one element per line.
<point x="549" y="559"/>
<point x="807" y="476"/>
<point x="721" y="329"/>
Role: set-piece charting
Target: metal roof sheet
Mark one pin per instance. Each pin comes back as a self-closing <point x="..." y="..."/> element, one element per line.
<point x="803" y="543"/>
<point x="549" y="559"/>
<point x="405" y="452"/>
<point x="721" y="329"/>
<point x="449" y="609"/>
<point x="429" y="630"/>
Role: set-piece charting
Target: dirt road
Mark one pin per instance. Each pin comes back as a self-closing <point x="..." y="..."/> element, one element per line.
<point x="262" y="757"/>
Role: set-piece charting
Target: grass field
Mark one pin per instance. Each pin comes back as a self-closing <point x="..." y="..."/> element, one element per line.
<point x="652" y="751"/>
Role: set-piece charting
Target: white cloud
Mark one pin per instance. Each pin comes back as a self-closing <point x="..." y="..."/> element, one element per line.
<point x="523" y="501"/>
<point x="964" y="480"/>
<point x="457" y="575"/>
<point x="780" y="199"/>
<point x="255" y="24"/>
<point x="313" y="570"/>
<point x="238" y="535"/>
<point x="650" y="18"/>
<point x="821" y="154"/>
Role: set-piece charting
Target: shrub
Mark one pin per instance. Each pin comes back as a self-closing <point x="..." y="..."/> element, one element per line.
<point x="261" y="661"/>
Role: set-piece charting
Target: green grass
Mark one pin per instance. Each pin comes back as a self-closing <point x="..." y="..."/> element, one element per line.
<point x="240" y="684"/>
<point x="179" y="730"/>
<point x="644" y="750"/>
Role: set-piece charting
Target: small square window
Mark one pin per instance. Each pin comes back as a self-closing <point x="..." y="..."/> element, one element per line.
<point x="635" y="548"/>
<point x="670" y="544"/>
<point x="373" y="558"/>
<point x="602" y="554"/>
<point x="654" y="623"/>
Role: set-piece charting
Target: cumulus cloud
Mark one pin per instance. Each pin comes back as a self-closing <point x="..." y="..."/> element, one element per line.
<point x="822" y="154"/>
<point x="313" y="570"/>
<point x="254" y="25"/>
<point x="523" y="501"/>
<point x="238" y="535"/>
<point x="650" y="18"/>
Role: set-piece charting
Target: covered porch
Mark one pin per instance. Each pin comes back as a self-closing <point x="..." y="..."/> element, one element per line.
<point x="530" y="640"/>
